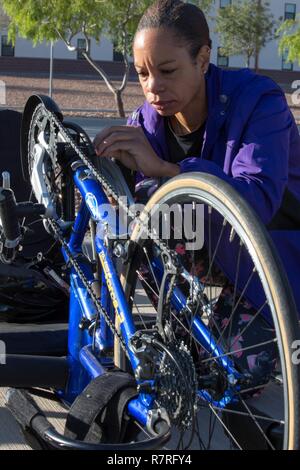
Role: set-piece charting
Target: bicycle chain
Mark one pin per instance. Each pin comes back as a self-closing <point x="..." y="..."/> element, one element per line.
<point x="103" y="181"/>
<point x="100" y="309"/>
<point x="54" y="121"/>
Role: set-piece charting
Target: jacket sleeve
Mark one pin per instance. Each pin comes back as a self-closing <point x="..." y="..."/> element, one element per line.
<point x="259" y="171"/>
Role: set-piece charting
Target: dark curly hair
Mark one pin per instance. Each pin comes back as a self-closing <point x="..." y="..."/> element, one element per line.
<point x="187" y="22"/>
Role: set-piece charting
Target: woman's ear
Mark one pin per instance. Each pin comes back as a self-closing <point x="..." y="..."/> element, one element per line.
<point x="203" y="58"/>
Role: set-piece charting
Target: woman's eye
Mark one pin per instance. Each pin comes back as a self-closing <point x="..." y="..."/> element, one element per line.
<point x="168" y="72"/>
<point x="142" y="74"/>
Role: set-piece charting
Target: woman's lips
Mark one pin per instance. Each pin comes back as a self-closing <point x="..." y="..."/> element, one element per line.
<point x="162" y="104"/>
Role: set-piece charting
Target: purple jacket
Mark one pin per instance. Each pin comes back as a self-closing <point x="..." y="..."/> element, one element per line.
<point x="251" y="142"/>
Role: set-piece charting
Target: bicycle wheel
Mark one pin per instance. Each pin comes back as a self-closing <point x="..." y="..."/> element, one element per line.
<point x="243" y="300"/>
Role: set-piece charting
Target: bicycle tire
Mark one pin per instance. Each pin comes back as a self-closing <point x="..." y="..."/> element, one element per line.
<point x="217" y="193"/>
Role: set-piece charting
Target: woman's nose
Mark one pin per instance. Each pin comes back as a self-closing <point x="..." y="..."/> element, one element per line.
<point x="154" y="85"/>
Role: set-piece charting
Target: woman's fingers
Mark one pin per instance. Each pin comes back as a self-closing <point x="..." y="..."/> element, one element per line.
<point x="114" y="137"/>
<point x="121" y="151"/>
<point x="130" y="146"/>
<point x="106" y="133"/>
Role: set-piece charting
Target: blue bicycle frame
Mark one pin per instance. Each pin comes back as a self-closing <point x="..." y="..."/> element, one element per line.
<point x="87" y="353"/>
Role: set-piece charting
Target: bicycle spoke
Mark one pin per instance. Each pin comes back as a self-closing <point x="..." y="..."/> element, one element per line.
<point x="151" y="268"/>
<point x="211" y="358"/>
<point x="257" y="424"/>
<point x="240" y="350"/>
<point x="180" y="442"/>
<point x="211" y="263"/>
<point x="235" y="291"/>
<point x="193" y="252"/>
<point x="141" y="277"/>
<point x="184" y="327"/>
<point x="217" y="247"/>
<point x="201" y="443"/>
<point x="139" y="314"/>
<point x="249" y="323"/>
<point x="196" y="342"/>
<point x="211" y="429"/>
<point x="224" y="426"/>
<point x="236" y="305"/>
<point x="241" y="413"/>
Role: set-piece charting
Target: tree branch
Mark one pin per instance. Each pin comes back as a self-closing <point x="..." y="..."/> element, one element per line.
<point x="126" y="63"/>
<point x="101" y="72"/>
<point x="67" y="41"/>
<point x="87" y="40"/>
<point x="123" y="28"/>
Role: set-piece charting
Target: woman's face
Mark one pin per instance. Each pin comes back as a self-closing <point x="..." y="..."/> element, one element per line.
<point x="171" y="80"/>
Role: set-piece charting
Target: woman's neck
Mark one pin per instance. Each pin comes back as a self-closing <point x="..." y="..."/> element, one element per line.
<point x="191" y="119"/>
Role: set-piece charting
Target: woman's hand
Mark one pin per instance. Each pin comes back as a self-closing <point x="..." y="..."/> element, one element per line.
<point x="130" y="146"/>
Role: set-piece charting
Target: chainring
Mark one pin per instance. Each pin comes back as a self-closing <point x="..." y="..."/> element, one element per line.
<point x="42" y="133"/>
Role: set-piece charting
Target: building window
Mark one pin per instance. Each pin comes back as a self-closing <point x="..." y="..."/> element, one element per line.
<point x="223" y="60"/>
<point x="286" y="65"/>
<point x="225" y="3"/>
<point x="7" y="49"/>
<point x="290" y="11"/>
<point x="81" y="47"/>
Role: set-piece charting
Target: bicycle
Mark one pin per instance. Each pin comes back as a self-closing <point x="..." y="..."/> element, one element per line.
<point x="138" y="379"/>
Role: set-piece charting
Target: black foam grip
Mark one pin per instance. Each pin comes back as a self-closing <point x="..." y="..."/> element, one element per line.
<point x="8" y="214"/>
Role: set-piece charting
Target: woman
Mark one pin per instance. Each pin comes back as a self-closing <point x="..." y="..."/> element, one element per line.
<point x="196" y="117"/>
